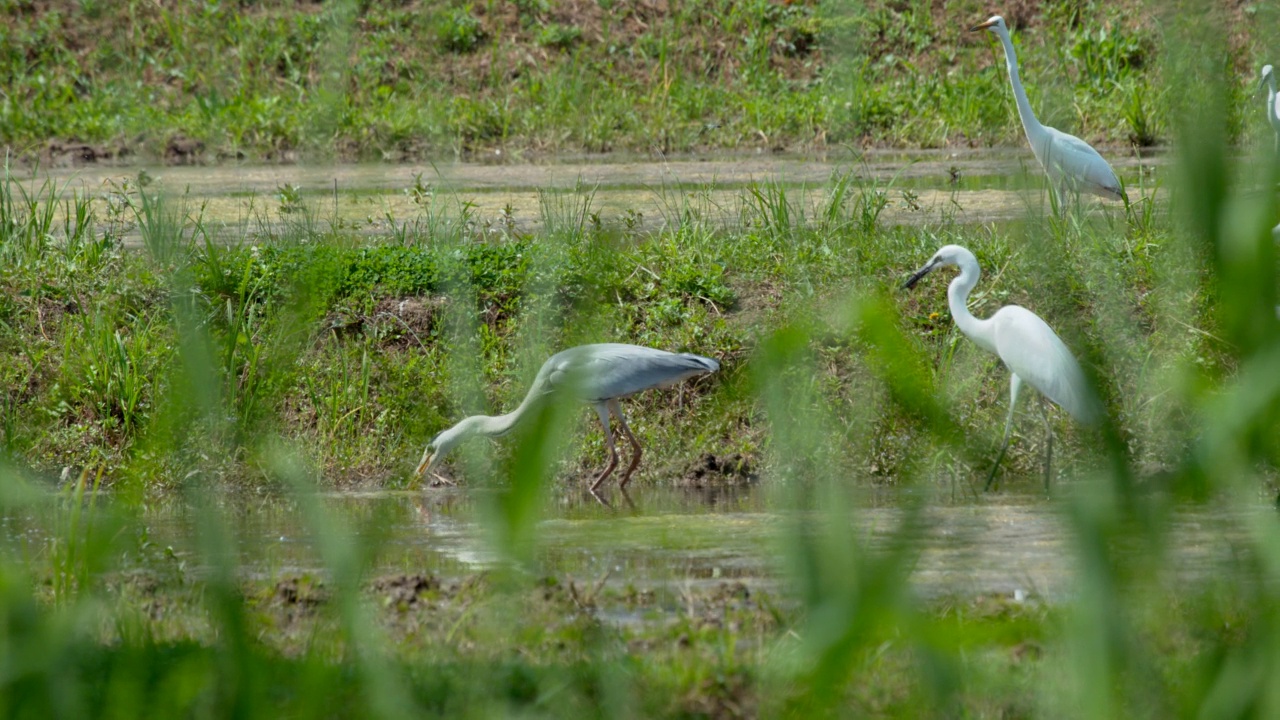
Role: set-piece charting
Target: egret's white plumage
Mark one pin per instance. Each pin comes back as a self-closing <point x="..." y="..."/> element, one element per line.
<point x="599" y="374"/>
<point x="1071" y="163"/>
<point x="1031" y="350"/>
<point x="1273" y="112"/>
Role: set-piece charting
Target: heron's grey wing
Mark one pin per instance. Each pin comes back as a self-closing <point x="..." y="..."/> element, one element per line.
<point x="612" y="370"/>
<point x="1032" y="350"/>
<point x="1082" y="164"/>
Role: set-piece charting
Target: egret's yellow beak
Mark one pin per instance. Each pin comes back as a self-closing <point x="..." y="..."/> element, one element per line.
<point x="427" y="460"/>
<point x="982" y="26"/>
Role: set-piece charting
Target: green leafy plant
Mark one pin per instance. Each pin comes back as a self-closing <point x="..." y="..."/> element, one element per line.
<point x="458" y="30"/>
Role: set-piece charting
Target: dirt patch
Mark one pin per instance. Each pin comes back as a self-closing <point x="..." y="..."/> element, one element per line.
<point x="71" y="154"/>
<point x="304" y="592"/>
<point x="711" y="471"/>
<point x="182" y="150"/>
<point x="1019" y="14"/>
<point x="406" y="322"/>
<point x="395" y="322"/>
<point x="50" y="313"/>
<point x="405" y="591"/>
<point x="724" y="696"/>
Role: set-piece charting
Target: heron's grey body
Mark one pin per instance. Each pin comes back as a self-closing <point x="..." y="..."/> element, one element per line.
<point x="607" y="371"/>
<point x="599" y="374"/>
<point x="1031" y="350"/>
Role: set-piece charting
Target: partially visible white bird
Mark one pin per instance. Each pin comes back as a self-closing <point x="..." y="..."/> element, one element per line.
<point x="1031" y="350"/>
<point x="1071" y="163"/>
<point x="1273" y="113"/>
<point x="598" y="374"/>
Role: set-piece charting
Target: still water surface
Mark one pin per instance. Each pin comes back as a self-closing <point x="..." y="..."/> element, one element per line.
<point x="1014" y="545"/>
<point x="967" y="186"/>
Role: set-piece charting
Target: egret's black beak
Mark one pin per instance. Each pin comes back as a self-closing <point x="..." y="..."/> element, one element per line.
<point x="911" y="281"/>
<point x="981" y="26"/>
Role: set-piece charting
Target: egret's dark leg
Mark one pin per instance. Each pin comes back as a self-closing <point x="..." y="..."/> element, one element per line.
<point x="603" y="412"/>
<point x="1048" y="444"/>
<point x="626" y="430"/>
<point x="1015" y="384"/>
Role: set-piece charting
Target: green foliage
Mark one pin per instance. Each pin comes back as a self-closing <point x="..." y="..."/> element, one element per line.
<point x="560" y="37"/>
<point x="184" y="366"/>
<point x="726" y="74"/>
<point x="1104" y="56"/>
<point x="459" y="30"/>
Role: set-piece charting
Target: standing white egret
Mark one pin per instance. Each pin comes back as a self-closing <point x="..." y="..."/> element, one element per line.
<point x="1273" y="113"/>
<point x="1031" y="350"/>
<point x="1071" y="163"/>
<point x="598" y="374"/>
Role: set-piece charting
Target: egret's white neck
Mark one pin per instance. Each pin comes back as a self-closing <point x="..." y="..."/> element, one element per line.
<point x="1030" y="124"/>
<point x="1272" y="116"/>
<point x="979" y="331"/>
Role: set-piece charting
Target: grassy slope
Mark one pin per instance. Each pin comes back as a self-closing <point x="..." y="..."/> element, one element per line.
<point x="180" y="361"/>
<point x="187" y="82"/>
<point x="318" y="338"/>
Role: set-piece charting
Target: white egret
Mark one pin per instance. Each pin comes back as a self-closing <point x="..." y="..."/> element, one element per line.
<point x="1031" y="350"/>
<point x="1071" y="163"/>
<point x="1273" y="113"/>
<point x="598" y="374"/>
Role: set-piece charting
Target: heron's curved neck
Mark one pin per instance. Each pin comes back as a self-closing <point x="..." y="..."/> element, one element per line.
<point x="1030" y="124"/>
<point x="498" y="425"/>
<point x="980" y="331"/>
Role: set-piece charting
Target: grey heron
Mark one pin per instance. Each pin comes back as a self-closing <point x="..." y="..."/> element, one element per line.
<point x="1031" y="350"/>
<point x="599" y="374"/>
<point x="1071" y="163"/>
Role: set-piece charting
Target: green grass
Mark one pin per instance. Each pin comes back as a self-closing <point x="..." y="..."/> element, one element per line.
<point x="205" y="368"/>
<point x="349" y="343"/>
<point x="203" y="83"/>
<point x="343" y="342"/>
<point x="308" y="358"/>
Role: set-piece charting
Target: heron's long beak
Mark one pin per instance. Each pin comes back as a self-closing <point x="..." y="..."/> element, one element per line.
<point x="428" y="459"/>
<point x="911" y="281"/>
<point x="982" y="26"/>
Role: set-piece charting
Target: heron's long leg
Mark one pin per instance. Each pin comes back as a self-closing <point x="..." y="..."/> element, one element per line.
<point x="1015" y="384"/>
<point x="603" y="411"/>
<point x="1048" y="447"/>
<point x="616" y="409"/>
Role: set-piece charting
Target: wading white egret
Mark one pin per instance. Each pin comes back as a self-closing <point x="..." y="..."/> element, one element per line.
<point x="598" y="374"/>
<point x="1268" y="81"/>
<point x="1071" y="163"/>
<point x="1031" y="350"/>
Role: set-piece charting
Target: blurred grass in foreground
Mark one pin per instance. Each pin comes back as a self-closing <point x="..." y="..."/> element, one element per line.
<point x="206" y="364"/>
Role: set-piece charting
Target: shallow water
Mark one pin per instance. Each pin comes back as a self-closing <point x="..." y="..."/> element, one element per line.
<point x="1008" y="545"/>
<point x="967" y="186"/>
